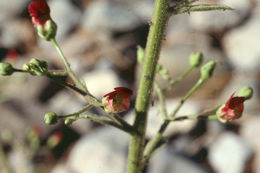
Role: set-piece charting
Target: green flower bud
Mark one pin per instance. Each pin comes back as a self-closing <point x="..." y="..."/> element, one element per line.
<point x="196" y="59"/>
<point x="50" y="118"/>
<point x="140" y="54"/>
<point x="36" y="67"/>
<point x="206" y="70"/>
<point x="6" y="69"/>
<point x="48" y="31"/>
<point x="246" y="92"/>
<point x="68" y="121"/>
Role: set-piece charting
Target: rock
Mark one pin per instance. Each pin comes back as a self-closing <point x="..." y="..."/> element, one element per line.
<point x="100" y="77"/>
<point x="168" y="162"/>
<point x="106" y="16"/>
<point x="242" y="48"/>
<point x="104" y="150"/>
<point x="219" y="20"/>
<point x="230" y="153"/>
<point x="250" y="131"/>
<point x="66" y="16"/>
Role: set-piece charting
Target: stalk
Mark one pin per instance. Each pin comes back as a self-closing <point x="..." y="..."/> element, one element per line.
<point x="152" y="51"/>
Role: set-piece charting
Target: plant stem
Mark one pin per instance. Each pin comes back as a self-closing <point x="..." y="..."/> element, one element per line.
<point x="152" y="144"/>
<point x="193" y="117"/>
<point x="4" y="160"/>
<point x="85" y="108"/>
<point x="90" y="98"/>
<point x="67" y="65"/>
<point x="105" y="121"/>
<point x="161" y="99"/>
<point x="180" y="78"/>
<point x="62" y="83"/>
<point x="152" y="51"/>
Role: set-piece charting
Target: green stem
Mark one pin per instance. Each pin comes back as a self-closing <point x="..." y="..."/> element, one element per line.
<point x="152" y="51"/>
<point x="62" y="83"/>
<point x="68" y="68"/>
<point x="151" y="146"/>
<point x="161" y="99"/>
<point x="90" y="98"/>
<point x="180" y="78"/>
<point x="85" y="108"/>
<point x="105" y="121"/>
<point x="192" y="117"/>
<point x="57" y="73"/>
<point x="4" y="160"/>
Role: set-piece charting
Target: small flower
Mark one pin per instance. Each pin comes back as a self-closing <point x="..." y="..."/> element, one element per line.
<point x="39" y="10"/>
<point x="232" y="110"/>
<point x="118" y="100"/>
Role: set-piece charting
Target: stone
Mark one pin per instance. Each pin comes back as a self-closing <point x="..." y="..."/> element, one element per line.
<point x="241" y="45"/>
<point x="219" y="20"/>
<point x="169" y="162"/>
<point x="230" y="153"/>
<point x="106" y="16"/>
<point x="66" y="16"/>
<point x="104" y="150"/>
<point x="250" y="132"/>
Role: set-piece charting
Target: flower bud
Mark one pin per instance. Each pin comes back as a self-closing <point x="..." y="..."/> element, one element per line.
<point x="50" y="118"/>
<point x="48" y="31"/>
<point x="36" y="67"/>
<point x="6" y="69"/>
<point x="231" y="110"/>
<point x="196" y="59"/>
<point x="117" y="101"/>
<point x="39" y="10"/>
<point x="140" y="54"/>
<point x="68" y="121"/>
<point x="206" y="70"/>
<point x="246" y="92"/>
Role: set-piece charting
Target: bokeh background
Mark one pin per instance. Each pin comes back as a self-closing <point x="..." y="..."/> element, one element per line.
<point x="99" y="37"/>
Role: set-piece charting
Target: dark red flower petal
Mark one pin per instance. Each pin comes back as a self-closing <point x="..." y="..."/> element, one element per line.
<point x="39" y="10"/>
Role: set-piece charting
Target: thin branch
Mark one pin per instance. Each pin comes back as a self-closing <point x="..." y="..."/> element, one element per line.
<point x="201" y="7"/>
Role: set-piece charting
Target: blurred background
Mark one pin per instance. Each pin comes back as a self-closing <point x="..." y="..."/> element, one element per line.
<point x="100" y="38"/>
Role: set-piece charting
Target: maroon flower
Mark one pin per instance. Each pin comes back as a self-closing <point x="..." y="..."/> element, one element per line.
<point x="39" y="11"/>
<point x="118" y="100"/>
<point x="233" y="108"/>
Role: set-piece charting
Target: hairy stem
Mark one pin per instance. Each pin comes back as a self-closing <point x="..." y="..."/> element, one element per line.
<point x="152" y="51"/>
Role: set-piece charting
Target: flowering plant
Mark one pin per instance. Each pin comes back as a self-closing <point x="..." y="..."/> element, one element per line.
<point x="119" y="100"/>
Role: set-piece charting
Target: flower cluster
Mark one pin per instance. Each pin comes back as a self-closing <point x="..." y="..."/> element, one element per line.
<point x="117" y="101"/>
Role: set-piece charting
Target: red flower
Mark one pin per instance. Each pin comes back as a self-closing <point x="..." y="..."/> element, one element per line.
<point x="39" y="11"/>
<point x="118" y="100"/>
<point x="233" y="108"/>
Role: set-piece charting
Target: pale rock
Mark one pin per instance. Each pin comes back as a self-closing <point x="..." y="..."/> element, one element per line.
<point x="66" y="16"/>
<point x="242" y="45"/>
<point x="101" y="82"/>
<point x="105" y="16"/>
<point x="169" y="162"/>
<point x="220" y="19"/>
<point x="230" y="153"/>
<point x="104" y="150"/>
<point x="250" y="131"/>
